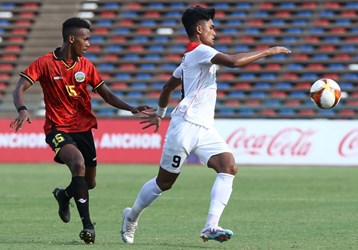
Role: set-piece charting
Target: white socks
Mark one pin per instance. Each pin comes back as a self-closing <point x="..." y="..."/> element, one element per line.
<point x="149" y="192"/>
<point x="220" y="195"/>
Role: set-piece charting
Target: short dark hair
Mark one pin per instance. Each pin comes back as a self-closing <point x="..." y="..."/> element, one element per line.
<point x="193" y="15"/>
<point x="71" y="23"/>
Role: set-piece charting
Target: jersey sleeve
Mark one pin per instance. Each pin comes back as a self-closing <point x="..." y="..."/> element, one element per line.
<point x="33" y="72"/>
<point x="96" y="79"/>
<point x="178" y="72"/>
<point x="206" y="53"/>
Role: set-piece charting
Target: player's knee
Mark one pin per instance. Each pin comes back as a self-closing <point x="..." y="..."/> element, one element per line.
<point x="91" y="184"/>
<point x="229" y="169"/>
<point x="77" y="167"/>
<point x="233" y="169"/>
<point x="165" y="186"/>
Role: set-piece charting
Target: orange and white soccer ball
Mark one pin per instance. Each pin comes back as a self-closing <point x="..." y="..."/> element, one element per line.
<point x="325" y="93"/>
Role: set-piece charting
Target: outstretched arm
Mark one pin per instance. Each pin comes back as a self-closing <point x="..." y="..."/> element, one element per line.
<point x="18" y="97"/>
<point x="117" y="102"/>
<point x="242" y="59"/>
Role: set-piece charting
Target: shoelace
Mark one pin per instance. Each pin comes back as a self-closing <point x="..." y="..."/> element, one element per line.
<point x="131" y="227"/>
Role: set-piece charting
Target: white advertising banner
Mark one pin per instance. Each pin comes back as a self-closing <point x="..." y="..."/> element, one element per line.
<point x="292" y="142"/>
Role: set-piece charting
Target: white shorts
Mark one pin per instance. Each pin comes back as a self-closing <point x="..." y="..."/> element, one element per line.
<point x="183" y="138"/>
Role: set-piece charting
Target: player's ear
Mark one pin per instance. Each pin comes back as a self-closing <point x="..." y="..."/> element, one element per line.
<point x="198" y="29"/>
<point x="71" y="38"/>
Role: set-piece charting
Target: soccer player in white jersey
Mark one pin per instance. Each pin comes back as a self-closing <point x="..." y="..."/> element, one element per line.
<point x="191" y="128"/>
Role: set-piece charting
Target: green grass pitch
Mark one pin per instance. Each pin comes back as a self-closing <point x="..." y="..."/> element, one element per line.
<point x="270" y="208"/>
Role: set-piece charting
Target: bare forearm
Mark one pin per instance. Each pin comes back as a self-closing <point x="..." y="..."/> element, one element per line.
<point x="243" y="59"/>
<point x="118" y="103"/>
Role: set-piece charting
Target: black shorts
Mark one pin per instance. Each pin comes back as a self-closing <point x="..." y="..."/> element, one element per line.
<point x="82" y="140"/>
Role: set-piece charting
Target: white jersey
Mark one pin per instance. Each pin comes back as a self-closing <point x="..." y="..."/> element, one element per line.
<point x="198" y="75"/>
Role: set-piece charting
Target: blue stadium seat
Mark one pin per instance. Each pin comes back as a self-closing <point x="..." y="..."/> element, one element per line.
<point x="178" y="5"/>
<point x="326" y="112"/>
<point x="289" y="39"/>
<point x="244" y="5"/>
<point x="113" y="48"/>
<point x="240" y="48"/>
<point x="131" y="57"/>
<point x="98" y="39"/>
<point x="309" y="76"/>
<point x="347" y="47"/>
<point x="161" y="39"/>
<point x="121" y="31"/>
<point x="294" y="66"/>
<point x="122" y="76"/>
<point x="272" y="76"/>
<point x="144" y="76"/>
<point x="336" y="66"/>
<point x="234" y="22"/>
<point x="224" y="85"/>
<point x="231" y="31"/>
<point x="343" y="22"/>
<point x="129" y="14"/>
<point x="140" y="39"/>
<point x="111" y="5"/>
<point x="326" y="13"/>
<point x="155" y="5"/>
<point x="247" y="76"/>
<point x="169" y="66"/>
<point x="236" y="94"/>
<point x="106" y="66"/>
<point x="294" y="30"/>
<point x="350" y="76"/>
<point x="7" y="5"/>
<point x="304" y="13"/>
<point x="104" y="23"/>
<point x="287" y="5"/>
<point x="169" y="22"/>
<point x="139" y="85"/>
<point x="238" y="13"/>
<point x="147" y="22"/>
<point x="221" y="5"/>
<point x="147" y="66"/>
<point x="283" y="85"/>
<point x="247" y="112"/>
<point x="251" y="31"/>
<point x="262" y="85"/>
<point x="287" y="112"/>
<point x="152" y="57"/>
<point x="4" y="22"/>
<point x="156" y="48"/>
<point x="260" y="14"/>
<point x="226" y="112"/>
<point x="300" y="22"/>
<point x="272" y="102"/>
<point x="320" y="57"/>
<point x="258" y="94"/>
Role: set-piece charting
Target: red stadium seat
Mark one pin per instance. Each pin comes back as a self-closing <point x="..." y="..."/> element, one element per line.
<point x="242" y="85"/>
<point x="268" y="112"/>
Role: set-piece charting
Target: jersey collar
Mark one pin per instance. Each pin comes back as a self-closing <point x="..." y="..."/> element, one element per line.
<point x="55" y="53"/>
<point x="191" y="46"/>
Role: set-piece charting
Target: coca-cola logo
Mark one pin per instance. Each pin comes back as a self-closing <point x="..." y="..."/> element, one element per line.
<point x="349" y="144"/>
<point x="286" y="142"/>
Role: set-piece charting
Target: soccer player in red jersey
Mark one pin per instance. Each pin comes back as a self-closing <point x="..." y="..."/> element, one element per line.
<point x="64" y="75"/>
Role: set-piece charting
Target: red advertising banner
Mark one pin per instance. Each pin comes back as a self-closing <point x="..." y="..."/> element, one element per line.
<point x="117" y="141"/>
